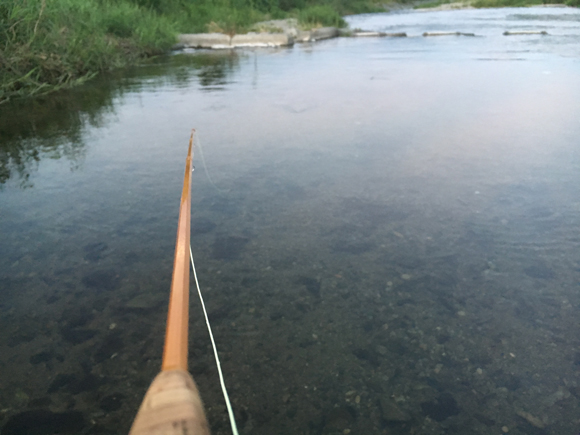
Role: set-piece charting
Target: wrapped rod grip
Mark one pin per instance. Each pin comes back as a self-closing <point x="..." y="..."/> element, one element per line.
<point x="172" y="406"/>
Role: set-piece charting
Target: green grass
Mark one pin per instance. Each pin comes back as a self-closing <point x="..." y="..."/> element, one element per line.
<point x="432" y="4"/>
<point x="320" y="16"/>
<point x="49" y="44"/>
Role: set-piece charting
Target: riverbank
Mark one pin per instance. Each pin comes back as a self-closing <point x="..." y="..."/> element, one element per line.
<point x="48" y="45"/>
<point x="52" y="45"/>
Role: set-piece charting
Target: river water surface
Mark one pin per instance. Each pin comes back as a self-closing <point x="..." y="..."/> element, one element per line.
<point x="387" y="233"/>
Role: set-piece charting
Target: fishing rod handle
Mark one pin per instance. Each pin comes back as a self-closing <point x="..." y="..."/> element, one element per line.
<point x="172" y="406"/>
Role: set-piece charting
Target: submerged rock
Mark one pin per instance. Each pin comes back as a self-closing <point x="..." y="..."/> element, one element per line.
<point x="311" y="284"/>
<point x="145" y="301"/>
<point x="112" y="402"/>
<point x="77" y="335"/>
<point x="95" y="251"/>
<point x="391" y="412"/>
<point x="44" y="422"/>
<point x="112" y="344"/>
<point x="202" y="226"/>
<point x="229" y="247"/>
<point x="339" y="419"/>
<point x="41" y="357"/>
<point x="74" y="384"/>
<point x="367" y="354"/>
<point x="101" y="280"/>
<point x="443" y="407"/>
<point x="540" y="270"/>
<point x="534" y="421"/>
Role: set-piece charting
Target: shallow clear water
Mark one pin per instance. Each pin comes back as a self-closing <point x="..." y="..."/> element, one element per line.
<point x="389" y="245"/>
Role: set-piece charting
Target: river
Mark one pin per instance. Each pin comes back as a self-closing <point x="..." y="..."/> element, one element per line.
<point x="386" y="231"/>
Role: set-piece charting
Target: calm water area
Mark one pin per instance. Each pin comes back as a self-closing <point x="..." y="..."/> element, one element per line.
<point x="386" y="231"/>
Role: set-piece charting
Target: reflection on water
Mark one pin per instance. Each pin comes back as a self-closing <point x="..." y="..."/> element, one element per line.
<point x="52" y="127"/>
<point x="392" y="246"/>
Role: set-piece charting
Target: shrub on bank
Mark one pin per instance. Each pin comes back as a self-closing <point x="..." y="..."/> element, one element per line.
<point x="320" y="15"/>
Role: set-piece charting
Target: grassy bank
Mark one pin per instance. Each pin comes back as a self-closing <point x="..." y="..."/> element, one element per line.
<point x="49" y="44"/>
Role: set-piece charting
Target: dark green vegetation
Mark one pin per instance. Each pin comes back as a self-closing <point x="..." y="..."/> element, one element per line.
<point x="46" y="45"/>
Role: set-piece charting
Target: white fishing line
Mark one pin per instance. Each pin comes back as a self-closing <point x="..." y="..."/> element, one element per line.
<point x="215" y="352"/>
<point x="198" y="142"/>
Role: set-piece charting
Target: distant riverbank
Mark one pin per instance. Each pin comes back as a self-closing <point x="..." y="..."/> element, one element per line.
<point x="49" y="45"/>
<point x="446" y="5"/>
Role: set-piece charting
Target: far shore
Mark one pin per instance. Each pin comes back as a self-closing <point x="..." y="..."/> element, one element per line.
<point x="39" y="56"/>
<point x="469" y="5"/>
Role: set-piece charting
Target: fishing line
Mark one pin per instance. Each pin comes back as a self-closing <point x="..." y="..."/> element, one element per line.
<point x="198" y="142"/>
<point x="215" y="352"/>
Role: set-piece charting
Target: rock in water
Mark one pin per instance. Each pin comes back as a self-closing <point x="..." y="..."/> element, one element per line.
<point x="534" y="421"/>
<point x="442" y="408"/>
<point x="391" y="412"/>
<point x="145" y="301"/>
<point x="44" y="422"/>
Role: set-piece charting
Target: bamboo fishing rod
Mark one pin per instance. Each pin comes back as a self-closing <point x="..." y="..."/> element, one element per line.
<point x="172" y="404"/>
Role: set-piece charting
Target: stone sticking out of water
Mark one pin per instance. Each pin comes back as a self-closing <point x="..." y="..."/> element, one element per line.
<point x="447" y="34"/>
<point x="525" y="32"/>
